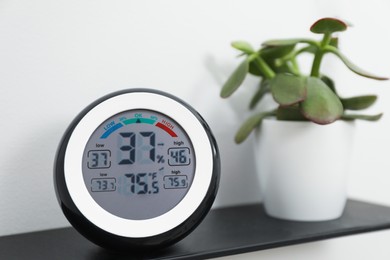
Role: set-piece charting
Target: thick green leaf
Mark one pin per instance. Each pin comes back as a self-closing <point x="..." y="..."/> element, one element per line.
<point x="243" y="46"/>
<point x="362" y="117"/>
<point x="352" y="66"/>
<point x="284" y="42"/>
<point x="321" y="105"/>
<point x="328" y="25"/>
<point x="270" y="55"/>
<point x="358" y="103"/>
<point x="264" y="67"/>
<point x="329" y="82"/>
<point x="290" y="113"/>
<point x="263" y="89"/>
<point x="235" y="80"/>
<point x="288" y="89"/>
<point x="250" y="124"/>
<point x="274" y="52"/>
<point x="254" y="69"/>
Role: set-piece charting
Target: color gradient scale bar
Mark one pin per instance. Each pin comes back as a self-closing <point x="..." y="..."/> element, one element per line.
<point x="111" y="130"/>
<point x="139" y="120"/>
<point x="166" y="129"/>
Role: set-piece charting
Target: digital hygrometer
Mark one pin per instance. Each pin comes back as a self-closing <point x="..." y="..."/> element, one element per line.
<point x="137" y="169"/>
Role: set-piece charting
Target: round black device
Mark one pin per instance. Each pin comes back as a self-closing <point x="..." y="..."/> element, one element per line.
<point x="137" y="169"/>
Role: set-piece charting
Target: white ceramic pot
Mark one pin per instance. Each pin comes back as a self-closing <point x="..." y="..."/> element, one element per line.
<point x="303" y="168"/>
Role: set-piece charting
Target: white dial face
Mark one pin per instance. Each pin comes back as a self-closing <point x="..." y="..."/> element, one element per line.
<point x="138" y="164"/>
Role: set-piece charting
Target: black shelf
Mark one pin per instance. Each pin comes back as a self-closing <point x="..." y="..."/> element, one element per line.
<point x="224" y="231"/>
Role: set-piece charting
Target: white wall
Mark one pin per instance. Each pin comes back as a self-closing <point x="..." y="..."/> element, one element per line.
<point x="58" y="56"/>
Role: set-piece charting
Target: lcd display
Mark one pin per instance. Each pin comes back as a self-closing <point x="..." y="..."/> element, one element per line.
<point x="138" y="164"/>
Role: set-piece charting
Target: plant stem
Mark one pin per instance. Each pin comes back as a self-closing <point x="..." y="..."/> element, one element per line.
<point x="263" y="66"/>
<point x="295" y="66"/>
<point x="315" y="69"/>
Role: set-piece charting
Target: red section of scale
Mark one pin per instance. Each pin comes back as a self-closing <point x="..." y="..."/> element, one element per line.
<point x="166" y="129"/>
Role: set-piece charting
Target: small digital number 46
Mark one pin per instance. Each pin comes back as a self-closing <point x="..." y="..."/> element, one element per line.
<point x="179" y="156"/>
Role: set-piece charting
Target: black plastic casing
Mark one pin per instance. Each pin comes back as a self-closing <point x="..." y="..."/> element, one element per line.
<point x="119" y="243"/>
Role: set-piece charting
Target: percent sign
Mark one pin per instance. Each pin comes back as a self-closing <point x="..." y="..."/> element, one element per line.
<point x="160" y="159"/>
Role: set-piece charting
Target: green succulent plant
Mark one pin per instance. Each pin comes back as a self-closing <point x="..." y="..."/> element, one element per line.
<point x="299" y="97"/>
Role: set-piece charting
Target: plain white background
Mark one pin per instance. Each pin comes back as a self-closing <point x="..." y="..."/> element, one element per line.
<point x="56" y="57"/>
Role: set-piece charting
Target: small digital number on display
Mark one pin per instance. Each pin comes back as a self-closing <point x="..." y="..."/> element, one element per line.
<point x="98" y="159"/>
